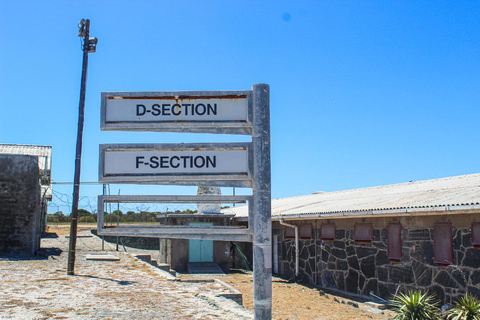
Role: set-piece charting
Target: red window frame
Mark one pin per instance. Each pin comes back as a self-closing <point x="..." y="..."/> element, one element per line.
<point x="443" y="243"/>
<point x="475" y="234"/>
<point x="363" y="232"/>
<point x="289" y="233"/>
<point x="328" y="231"/>
<point x="305" y="231"/>
<point x="394" y="241"/>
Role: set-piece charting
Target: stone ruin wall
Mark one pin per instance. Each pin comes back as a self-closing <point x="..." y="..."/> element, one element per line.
<point x="20" y="225"/>
<point x="357" y="268"/>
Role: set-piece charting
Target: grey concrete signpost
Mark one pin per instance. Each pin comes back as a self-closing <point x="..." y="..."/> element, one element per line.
<point x="225" y="165"/>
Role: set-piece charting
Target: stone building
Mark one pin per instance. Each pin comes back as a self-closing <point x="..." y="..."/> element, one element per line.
<point x="25" y="189"/>
<point x="20" y="219"/>
<point x="416" y="235"/>
<point x="44" y="160"/>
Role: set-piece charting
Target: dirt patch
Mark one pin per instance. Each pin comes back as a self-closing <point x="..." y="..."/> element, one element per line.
<point x="64" y="229"/>
<point x="296" y="301"/>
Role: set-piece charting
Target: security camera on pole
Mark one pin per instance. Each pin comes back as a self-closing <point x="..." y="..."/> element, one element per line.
<point x="89" y="46"/>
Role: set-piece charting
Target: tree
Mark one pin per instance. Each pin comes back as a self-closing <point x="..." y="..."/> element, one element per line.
<point x="118" y="212"/>
<point x="83" y="213"/>
<point x="111" y="218"/>
<point x="86" y="219"/>
<point x="57" y="217"/>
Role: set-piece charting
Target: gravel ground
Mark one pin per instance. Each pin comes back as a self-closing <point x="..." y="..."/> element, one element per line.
<point x="126" y="289"/>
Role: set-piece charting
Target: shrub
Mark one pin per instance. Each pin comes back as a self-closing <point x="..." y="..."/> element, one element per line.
<point x="415" y="306"/>
<point x="466" y="308"/>
<point x="86" y="219"/>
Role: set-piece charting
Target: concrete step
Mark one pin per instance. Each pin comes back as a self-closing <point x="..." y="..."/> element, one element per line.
<point x="163" y="266"/>
<point x="380" y="306"/>
<point x="204" y="267"/>
<point x="144" y="257"/>
<point x="166" y="267"/>
<point x="101" y="257"/>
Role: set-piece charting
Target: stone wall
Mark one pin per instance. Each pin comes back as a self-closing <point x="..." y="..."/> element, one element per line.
<point x="358" y="268"/>
<point x="19" y="204"/>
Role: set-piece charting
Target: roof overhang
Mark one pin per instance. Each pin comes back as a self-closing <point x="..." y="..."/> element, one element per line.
<point x="399" y="212"/>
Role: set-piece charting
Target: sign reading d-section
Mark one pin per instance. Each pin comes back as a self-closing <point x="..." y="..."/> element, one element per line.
<point x="187" y="164"/>
<point x="181" y="111"/>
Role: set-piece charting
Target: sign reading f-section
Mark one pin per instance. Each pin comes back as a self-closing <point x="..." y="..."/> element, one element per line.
<point x="187" y="164"/>
<point x="192" y="111"/>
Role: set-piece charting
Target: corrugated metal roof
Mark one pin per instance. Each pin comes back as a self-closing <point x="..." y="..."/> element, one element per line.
<point x="44" y="154"/>
<point x="451" y="191"/>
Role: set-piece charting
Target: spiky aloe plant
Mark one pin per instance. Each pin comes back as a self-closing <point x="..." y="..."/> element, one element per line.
<point x="415" y="306"/>
<point x="466" y="308"/>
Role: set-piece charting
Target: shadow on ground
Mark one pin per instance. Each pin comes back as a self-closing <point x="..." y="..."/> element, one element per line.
<point x="122" y="283"/>
<point x="42" y="254"/>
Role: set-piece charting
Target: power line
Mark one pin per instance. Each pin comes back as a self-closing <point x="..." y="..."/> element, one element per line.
<point x="85" y="183"/>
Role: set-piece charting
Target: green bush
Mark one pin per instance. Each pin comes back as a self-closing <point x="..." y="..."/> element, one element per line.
<point x="466" y="308"/>
<point x="415" y="306"/>
<point x="86" y="219"/>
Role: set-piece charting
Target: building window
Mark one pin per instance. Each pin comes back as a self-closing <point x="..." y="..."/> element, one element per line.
<point x="394" y="242"/>
<point x="363" y="232"/>
<point x="442" y="243"/>
<point x="289" y="233"/>
<point x="476" y="234"/>
<point x="305" y="231"/>
<point x="327" y="231"/>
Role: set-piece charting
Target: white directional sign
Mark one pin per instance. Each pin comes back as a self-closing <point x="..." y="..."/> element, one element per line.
<point x="172" y="109"/>
<point x="208" y="112"/>
<point x="176" y="163"/>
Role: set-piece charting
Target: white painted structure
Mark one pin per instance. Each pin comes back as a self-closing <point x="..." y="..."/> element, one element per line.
<point x="208" y="208"/>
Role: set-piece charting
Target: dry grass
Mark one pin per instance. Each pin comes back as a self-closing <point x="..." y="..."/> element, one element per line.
<point x="296" y="301"/>
<point x="64" y="229"/>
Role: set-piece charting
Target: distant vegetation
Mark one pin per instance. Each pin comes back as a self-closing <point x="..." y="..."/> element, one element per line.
<point x="85" y="216"/>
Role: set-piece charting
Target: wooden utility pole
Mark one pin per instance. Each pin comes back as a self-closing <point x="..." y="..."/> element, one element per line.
<point x="89" y="46"/>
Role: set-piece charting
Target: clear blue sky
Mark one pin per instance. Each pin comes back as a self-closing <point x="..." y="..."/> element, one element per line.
<point x="363" y="93"/>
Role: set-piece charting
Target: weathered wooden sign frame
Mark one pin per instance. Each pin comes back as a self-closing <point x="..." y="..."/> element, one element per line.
<point x="225" y="233"/>
<point x="256" y="123"/>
